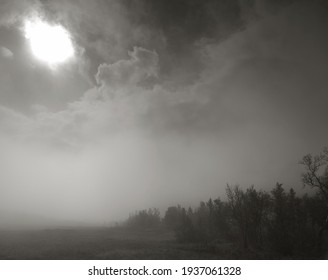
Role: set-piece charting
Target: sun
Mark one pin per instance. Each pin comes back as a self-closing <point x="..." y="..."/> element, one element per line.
<point x="51" y="44"/>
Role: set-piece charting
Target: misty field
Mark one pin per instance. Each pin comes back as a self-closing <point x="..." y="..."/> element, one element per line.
<point x="103" y="243"/>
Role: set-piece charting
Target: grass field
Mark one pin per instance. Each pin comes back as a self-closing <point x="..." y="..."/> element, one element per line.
<point x="116" y="244"/>
<point x="103" y="243"/>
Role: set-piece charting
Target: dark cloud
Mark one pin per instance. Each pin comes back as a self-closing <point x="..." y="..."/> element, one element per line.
<point x="183" y="22"/>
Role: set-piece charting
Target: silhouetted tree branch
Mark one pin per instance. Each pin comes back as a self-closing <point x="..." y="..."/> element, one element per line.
<point x="316" y="171"/>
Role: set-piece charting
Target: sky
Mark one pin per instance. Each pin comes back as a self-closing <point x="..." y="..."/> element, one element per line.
<point x="164" y="102"/>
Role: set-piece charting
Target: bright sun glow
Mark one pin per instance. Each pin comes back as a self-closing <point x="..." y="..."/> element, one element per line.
<point x="49" y="43"/>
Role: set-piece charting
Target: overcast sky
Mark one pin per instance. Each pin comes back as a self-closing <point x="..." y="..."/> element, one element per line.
<point x="164" y="102"/>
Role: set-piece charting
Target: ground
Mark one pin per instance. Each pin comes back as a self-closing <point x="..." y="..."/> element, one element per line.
<point x="118" y="244"/>
<point x="101" y="243"/>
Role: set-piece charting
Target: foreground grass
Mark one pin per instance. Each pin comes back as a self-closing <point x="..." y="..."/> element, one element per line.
<point x="116" y="244"/>
<point x="100" y="243"/>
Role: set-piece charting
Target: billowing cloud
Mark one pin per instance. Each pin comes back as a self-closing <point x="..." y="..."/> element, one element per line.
<point x="142" y="64"/>
<point x="249" y="75"/>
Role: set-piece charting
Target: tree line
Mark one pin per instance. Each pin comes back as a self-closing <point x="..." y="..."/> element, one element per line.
<point x="276" y="221"/>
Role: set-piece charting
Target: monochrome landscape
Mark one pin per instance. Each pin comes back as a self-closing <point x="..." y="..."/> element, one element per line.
<point x="153" y="129"/>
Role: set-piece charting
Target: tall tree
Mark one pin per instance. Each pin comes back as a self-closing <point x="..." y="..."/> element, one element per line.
<point x="316" y="176"/>
<point x="237" y="203"/>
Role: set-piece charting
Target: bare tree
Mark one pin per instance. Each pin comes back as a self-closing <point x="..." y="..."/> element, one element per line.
<point x="316" y="171"/>
<point x="316" y="176"/>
